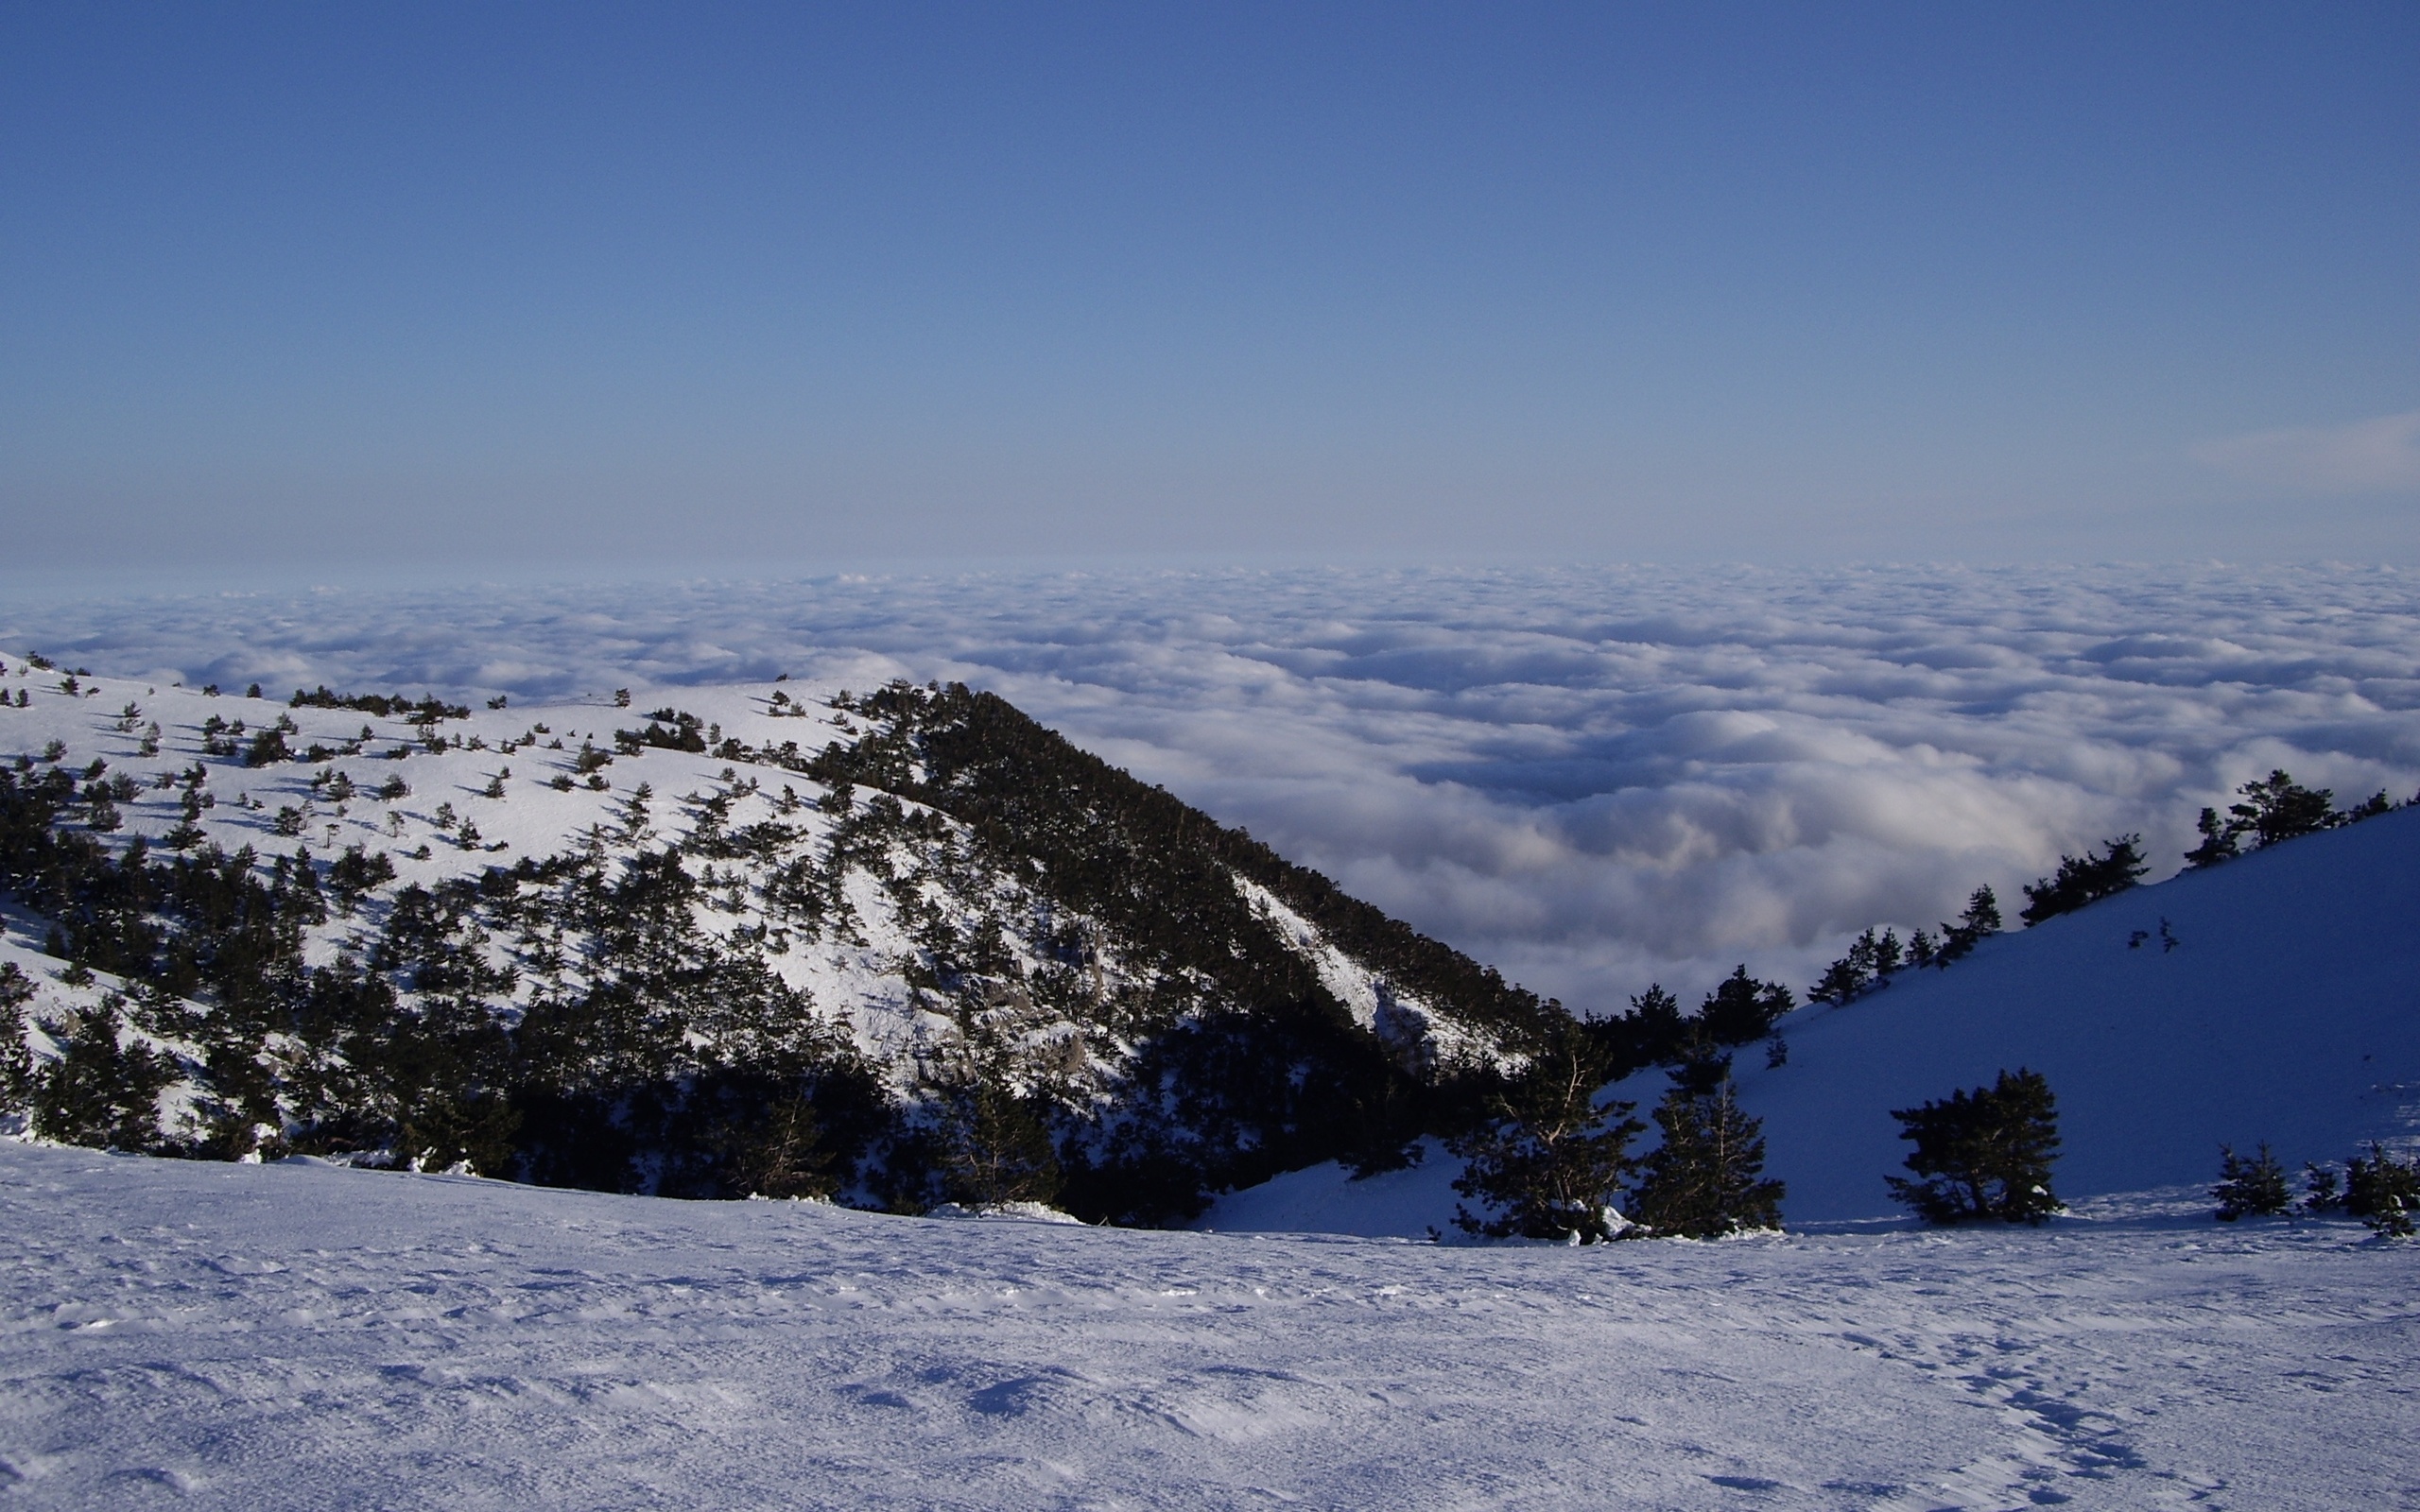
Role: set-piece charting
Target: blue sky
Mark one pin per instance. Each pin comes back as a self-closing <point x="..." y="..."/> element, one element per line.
<point x="487" y="288"/>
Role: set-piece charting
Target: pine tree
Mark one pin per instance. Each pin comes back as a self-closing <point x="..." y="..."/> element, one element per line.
<point x="1741" y="1009"/>
<point x="2383" y="1192"/>
<point x="1548" y="1159"/>
<point x="2276" y="809"/>
<point x="1706" y="1179"/>
<point x="100" y="1090"/>
<point x="1984" y="1154"/>
<point x="16" y="1062"/>
<point x="1656" y="1024"/>
<point x="2087" y="879"/>
<point x="1848" y="978"/>
<point x="1922" y="949"/>
<point x="2250" y="1188"/>
<point x="1980" y="920"/>
<point x="2221" y="841"/>
<point x="2322" y="1190"/>
<point x="994" y="1147"/>
<point x="784" y="1155"/>
<point x="472" y="1128"/>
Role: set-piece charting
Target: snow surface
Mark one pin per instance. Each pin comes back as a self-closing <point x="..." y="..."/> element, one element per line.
<point x="308" y="1337"/>
<point x="2287" y="1010"/>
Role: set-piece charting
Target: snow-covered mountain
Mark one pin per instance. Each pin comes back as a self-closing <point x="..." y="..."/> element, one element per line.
<point x="775" y="937"/>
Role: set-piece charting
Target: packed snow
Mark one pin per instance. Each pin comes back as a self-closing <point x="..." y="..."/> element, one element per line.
<point x="305" y="1336"/>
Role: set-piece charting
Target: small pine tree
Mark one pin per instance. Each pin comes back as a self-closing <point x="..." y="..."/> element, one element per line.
<point x="1656" y="1022"/>
<point x="1848" y="978"/>
<point x="2221" y="841"/>
<point x="1980" y="920"/>
<point x="471" y="1128"/>
<point x="2254" y="1188"/>
<point x="2383" y="1192"/>
<point x="1984" y="1154"/>
<point x="995" y="1149"/>
<point x="1549" y="1161"/>
<point x="2322" y="1190"/>
<point x="2276" y="809"/>
<point x="99" y="1092"/>
<point x="1706" y="1179"/>
<point x="16" y="1062"/>
<point x="784" y="1157"/>
<point x="1742" y="1010"/>
<point x="2087" y="879"/>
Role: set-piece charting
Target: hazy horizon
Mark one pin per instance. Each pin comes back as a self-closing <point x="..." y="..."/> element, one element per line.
<point x="451" y="291"/>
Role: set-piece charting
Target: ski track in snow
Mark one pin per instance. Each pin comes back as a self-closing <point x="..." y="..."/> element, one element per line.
<point x="300" y="1335"/>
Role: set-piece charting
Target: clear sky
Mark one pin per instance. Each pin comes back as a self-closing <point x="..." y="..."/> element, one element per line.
<point x="480" y="286"/>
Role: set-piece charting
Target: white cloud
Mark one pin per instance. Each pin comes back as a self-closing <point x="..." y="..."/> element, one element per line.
<point x="1589" y="777"/>
<point x="2367" y="456"/>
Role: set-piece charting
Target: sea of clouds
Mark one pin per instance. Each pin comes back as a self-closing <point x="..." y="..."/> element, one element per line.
<point x="1590" y="778"/>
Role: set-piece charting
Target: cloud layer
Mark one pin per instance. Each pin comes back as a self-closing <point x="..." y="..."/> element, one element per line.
<point x="1590" y="778"/>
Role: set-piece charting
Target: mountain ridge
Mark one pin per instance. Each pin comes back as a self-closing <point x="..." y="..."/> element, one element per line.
<point x="949" y="948"/>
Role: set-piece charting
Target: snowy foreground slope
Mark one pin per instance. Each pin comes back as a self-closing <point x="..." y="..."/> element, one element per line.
<point x="305" y="1336"/>
<point x="2282" y="1003"/>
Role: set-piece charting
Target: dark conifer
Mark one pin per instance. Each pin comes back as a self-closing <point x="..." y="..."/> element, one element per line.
<point x="1984" y="1154"/>
<point x="784" y="1154"/>
<point x="2383" y="1192"/>
<point x="2087" y="879"/>
<point x="993" y="1148"/>
<point x="100" y="1091"/>
<point x="1742" y="1010"/>
<point x="461" y="1126"/>
<point x="16" y="1063"/>
<point x="1922" y="948"/>
<point x="2254" y="1188"/>
<point x="2221" y="841"/>
<point x="2276" y="809"/>
<point x="1980" y="920"/>
<point x="1548" y="1159"/>
<point x="2322" y="1190"/>
<point x="1706" y="1179"/>
<point x="1656" y="1025"/>
<point x="1848" y="978"/>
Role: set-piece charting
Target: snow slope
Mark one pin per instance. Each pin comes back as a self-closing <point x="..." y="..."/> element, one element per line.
<point x="303" y="1336"/>
<point x="2287" y="1009"/>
